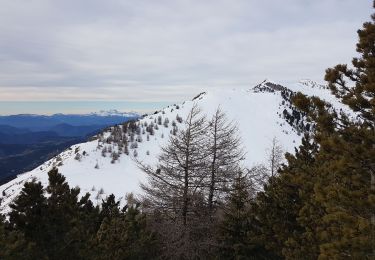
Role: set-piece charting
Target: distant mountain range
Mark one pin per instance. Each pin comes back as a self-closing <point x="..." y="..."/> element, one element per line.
<point x="27" y="140"/>
<point x="35" y="123"/>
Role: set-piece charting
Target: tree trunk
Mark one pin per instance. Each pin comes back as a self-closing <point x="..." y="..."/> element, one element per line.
<point x="185" y="198"/>
<point x="373" y="211"/>
<point x="212" y="188"/>
<point x="213" y="168"/>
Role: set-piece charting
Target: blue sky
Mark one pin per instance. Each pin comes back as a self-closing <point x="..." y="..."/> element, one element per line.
<point x="148" y="51"/>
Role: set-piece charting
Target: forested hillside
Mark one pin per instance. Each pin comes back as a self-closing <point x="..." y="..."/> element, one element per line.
<point x="28" y="140"/>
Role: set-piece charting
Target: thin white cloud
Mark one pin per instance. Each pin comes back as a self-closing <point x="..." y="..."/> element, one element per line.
<point x="167" y="50"/>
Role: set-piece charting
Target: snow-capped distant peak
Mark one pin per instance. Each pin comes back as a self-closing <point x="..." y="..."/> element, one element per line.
<point x="114" y="112"/>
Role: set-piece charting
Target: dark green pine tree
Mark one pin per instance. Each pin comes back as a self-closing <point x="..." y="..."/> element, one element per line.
<point x="346" y="161"/>
<point x="352" y="199"/>
<point x="59" y="225"/>
<point x="236" y="240"/>
<point x="13" y="245"/>
<point x="277" y="207"/>
<point x="337" y="203"/>
<point x="356" y="86"/>
<point x="336" y="197"/>
<point x="64" y="231"/>
<point x="337" y="216"/>
<point x="125" y="236"/>
<point x="235" y="224"/>
<point x="109" y="208"/>
<point x="300" y="176"/>
<point x="343" y="189"/>
<point x="27" y="215"/>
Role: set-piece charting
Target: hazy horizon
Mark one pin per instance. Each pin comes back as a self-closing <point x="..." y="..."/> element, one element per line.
<point x="50" y="107"/>
<point x="77" y="107"/>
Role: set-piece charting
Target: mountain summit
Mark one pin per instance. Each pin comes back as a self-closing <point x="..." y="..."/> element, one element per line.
<point x="106" y="164"/>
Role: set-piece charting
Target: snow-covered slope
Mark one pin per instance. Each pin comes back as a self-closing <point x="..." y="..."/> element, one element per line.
<point x="259" y="112"/>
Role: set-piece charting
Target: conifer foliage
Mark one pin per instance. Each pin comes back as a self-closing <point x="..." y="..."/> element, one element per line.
<point x="322" y="203"/>
<point x="53" y="223"/>
<point x="236" y="221"/>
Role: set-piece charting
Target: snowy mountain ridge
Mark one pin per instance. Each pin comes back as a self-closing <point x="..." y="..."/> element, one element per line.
<point x="106" y="164"/>
<point x="114" y="112"/>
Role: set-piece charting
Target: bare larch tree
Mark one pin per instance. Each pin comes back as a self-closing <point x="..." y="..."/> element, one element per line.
<point x="224" y="154"/>
<point x="275" y="157"/>
<point x="179" y="176"/>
